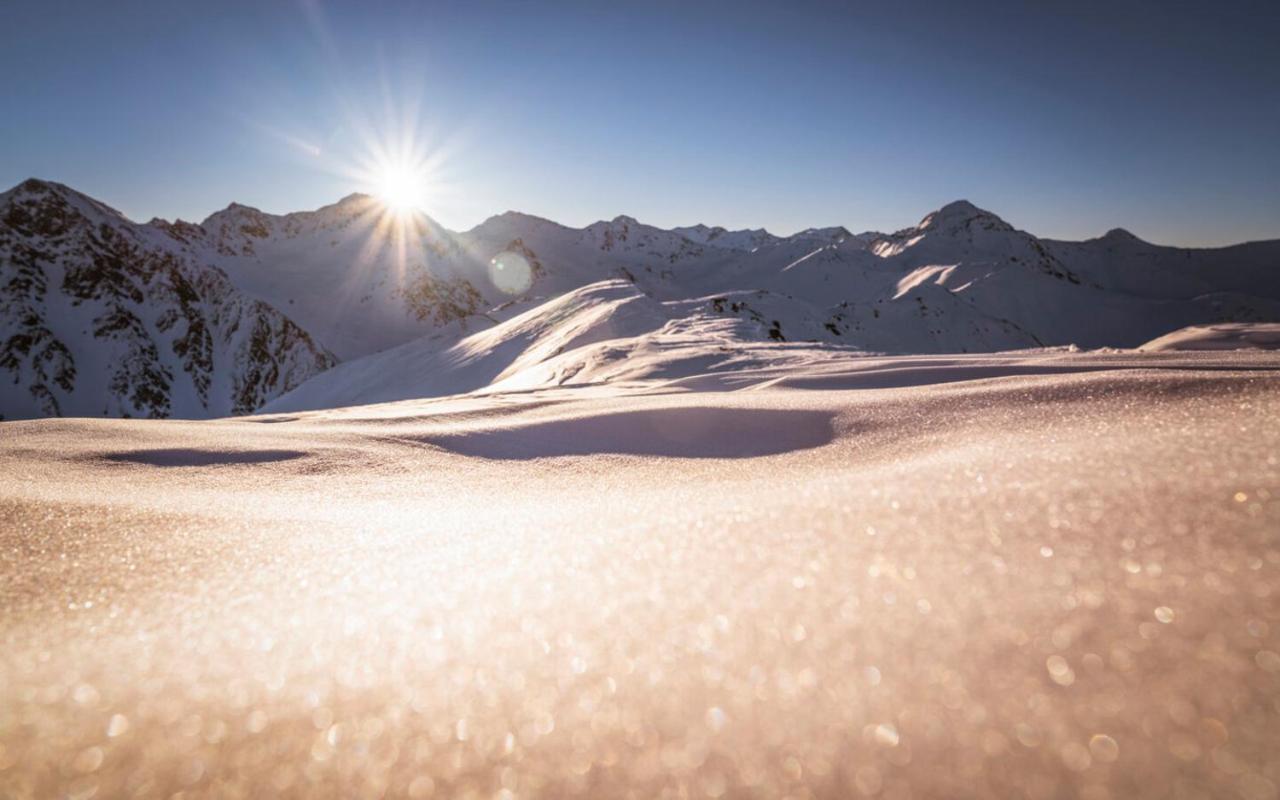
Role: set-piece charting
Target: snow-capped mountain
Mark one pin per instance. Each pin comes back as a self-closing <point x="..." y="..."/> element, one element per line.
<point x="416" y="309"/>
<point x="744" y="240"/>
<point x="101" y="316"/>
<point x="962" y="280"/>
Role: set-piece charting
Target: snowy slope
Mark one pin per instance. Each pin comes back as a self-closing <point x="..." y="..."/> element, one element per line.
<point x="103" y="317"/>
<point x="437" y="365"/>
<point x="406" y="296"/>
<point x="962" y="280"/>
<point x="348" y="273"/>
<point x="1227" y="336"/>
<point x="1121" y="262"/>
<point x="1057" y="293"/>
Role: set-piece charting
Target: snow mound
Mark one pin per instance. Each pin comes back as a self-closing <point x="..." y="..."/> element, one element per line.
<point x="437" y="366"/>
<point x="1225" y="336"/>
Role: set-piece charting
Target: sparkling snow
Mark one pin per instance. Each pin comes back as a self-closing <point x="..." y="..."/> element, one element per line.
<point x="1015" y="582"/>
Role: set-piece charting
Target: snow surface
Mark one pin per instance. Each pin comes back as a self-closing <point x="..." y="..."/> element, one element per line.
<point x="1225" y="336"/>
<point x="612" y="332"/>
<point x="1036" y="575"/>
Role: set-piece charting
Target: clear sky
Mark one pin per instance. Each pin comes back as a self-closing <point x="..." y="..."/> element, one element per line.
<point x="1064" y="118"/>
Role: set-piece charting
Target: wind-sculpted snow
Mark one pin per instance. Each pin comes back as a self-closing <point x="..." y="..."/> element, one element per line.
<point x="680" y="432"/>
<point x="1062" y="582"/>
<point x="497" y="357"/>
<point x="1227" y="336"/>
<point x="610" y="333"/>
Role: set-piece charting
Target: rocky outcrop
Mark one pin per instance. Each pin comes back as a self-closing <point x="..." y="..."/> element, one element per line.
<point x="101" y="316"/>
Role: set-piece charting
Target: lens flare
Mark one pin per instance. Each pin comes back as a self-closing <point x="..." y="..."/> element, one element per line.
<point x="511" y="272"/>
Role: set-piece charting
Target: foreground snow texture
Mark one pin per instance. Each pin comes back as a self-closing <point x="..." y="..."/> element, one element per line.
<point x="999" y="576"/>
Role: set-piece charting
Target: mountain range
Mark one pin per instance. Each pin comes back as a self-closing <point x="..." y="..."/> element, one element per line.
<point x="101" y="315"/>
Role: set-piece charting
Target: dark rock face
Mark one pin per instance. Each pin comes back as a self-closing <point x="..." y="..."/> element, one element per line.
<point x="517" y="245"/>
<point x="99" y="316"/>
<point x="441" y="300"/>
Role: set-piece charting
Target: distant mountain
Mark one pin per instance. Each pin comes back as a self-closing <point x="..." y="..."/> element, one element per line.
<point x="961" y="280"/>
<point x="101" y="316"/>
<point x="744" y="240"/>
<point x="413" y="306"/>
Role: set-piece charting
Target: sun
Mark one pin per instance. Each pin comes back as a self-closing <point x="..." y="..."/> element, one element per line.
<point x="401" y="187"/>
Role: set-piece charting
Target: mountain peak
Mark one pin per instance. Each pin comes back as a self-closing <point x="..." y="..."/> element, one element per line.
<point x="835" y="233"/>
<point x="53" y="194"/>
<point x="39" y="186"/>
<point x="520" y="215"/>
<point x="233" y="211"/>
<point x="511" y="224"/>
<point x="36" y="185"/>
<point x="1119" y="235"/>
<point x="959" y="208"/>
<point x="961" y="213"/>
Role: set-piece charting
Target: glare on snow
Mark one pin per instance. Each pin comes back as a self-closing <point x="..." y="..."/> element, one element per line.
<point x="385" y="617"/>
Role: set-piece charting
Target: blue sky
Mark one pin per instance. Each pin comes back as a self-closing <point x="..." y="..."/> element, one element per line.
<point x="1064" y="118"/>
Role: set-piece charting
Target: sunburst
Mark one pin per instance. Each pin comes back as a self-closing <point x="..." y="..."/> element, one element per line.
<point x="401" y="187"/>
